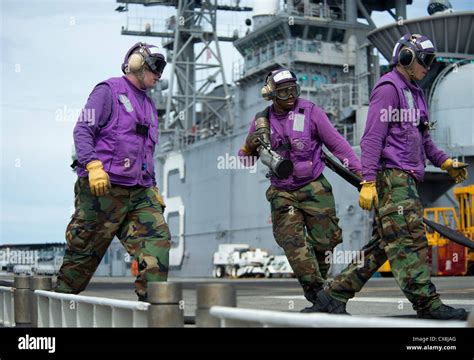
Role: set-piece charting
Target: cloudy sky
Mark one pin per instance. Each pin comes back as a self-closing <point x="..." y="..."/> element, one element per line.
<point x="52" y="55"/>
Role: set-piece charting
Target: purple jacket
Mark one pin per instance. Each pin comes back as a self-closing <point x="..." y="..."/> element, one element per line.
<point x="306" y="128"/>
<point x="112" y="137"/>
<point x="394" y="135"/>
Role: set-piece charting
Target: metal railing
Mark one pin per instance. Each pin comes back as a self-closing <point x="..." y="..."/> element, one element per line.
<point x="32" y="306"/>
<point x="268" y="318"/>
<point x="68" y="310"/>
<point x="7" y="309"/>
<point x="30" y="303"/>
<point x="316" y="51"/>
<point x="150" y="25"/>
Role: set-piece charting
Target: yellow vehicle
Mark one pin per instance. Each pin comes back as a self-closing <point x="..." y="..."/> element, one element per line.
<point x="465" y="198"/>
<point x="447" y="257"/>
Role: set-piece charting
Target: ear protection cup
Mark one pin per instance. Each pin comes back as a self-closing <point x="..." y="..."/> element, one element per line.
<point x="136" y="60"/>
<point x="268" y="90"/>
<point x="408" y="54"/>
<point x="406" y="57"/>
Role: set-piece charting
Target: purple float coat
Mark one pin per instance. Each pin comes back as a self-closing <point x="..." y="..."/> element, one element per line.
<point x="108" y="133"/>
<point x="307" y="128"/>
<point x="392" y="137"/>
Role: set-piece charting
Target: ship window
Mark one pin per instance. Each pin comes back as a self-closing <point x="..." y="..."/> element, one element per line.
<point x="337" y="35"/>
<point x="317" y="33"/>
<point x="319" y="79"/>
<point x="280" y="47"/>
<point x="302" y="78"/>
<point x="271" y="52"/>
<point x="296" y="30"/>
<point x="263" y="54"/>
<point x="299" y="45"/>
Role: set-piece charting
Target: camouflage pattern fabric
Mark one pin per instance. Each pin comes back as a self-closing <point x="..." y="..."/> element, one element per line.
<point x="134" y="215"/>
<point x="306" y="227"/>
<point x="399" y="236"/>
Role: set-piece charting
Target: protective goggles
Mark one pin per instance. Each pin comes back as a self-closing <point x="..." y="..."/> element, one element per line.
<point x="425" y="59"/>
<point x="156" y="63"/>
<point x="284" y="93"/>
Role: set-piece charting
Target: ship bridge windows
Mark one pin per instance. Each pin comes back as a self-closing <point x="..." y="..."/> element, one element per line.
<point x="314" y="79"/>
<point x="337" y="35"/>
<point x="280" y="47"/>
<point x="317" y="33"/>
<point x="302" y="79"/>
<point x="296" y="30"/>
<point x="299" y="45"/>
<point x="318" y="79"/>
<point x="267" y="53"/>
<point x="314" y="46"/>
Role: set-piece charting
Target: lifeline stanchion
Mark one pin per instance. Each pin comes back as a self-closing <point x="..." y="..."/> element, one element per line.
<point x="165" y="300"/>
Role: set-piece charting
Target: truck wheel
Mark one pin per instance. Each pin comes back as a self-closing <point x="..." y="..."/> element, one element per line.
<point x="233" y="272"/>
<point x="218" y="272"/>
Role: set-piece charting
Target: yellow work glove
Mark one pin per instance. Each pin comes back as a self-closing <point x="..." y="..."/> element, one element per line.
<point x="368" y="195"/>
<point x="158" y="196"/>
<point x="99" y="182"/>
<point x="456" y="169"/>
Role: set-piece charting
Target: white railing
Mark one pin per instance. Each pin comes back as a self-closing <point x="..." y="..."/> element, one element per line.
<point x="268" y="318"/>
<point x="7" y="307"/>
<point x="68" y="310"/>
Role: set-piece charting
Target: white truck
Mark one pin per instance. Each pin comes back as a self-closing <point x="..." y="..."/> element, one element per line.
<point x="239" y="260"/>
<point x="47" y="269"/>
<point x="23" y="269"/>
<point x="277" y="266"/>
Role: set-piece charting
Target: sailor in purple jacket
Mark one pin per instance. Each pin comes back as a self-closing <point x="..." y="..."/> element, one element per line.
<point x="116" y="193"/>
<point x="395" y="146"/>
<point x="303" y="211"/>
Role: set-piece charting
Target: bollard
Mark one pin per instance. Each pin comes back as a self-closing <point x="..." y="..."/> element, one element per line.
<point x="22" y="300"/>
<point x="38" y="283"/>
<point x="165" y="300"/>
<point x="213" y="295"/>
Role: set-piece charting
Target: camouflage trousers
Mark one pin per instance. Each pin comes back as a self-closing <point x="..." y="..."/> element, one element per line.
<point x="306" y="227"/>
<point x="134" y="215"/>
<point x="399" y="236"/>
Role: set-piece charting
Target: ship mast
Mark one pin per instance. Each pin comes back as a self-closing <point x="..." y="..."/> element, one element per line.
<point x="191" y="40"/>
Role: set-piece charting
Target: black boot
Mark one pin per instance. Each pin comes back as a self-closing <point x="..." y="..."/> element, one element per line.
<point x="311" y="292"/>
<point x="326" y="303"/>
<point x="444" y="312"/>
<point x="143" y="298"/>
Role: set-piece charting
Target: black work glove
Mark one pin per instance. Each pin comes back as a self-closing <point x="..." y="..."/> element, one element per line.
<point x="252" y="143"/>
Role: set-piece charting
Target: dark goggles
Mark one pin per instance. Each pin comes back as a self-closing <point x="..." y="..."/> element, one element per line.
<point x="425" y="59"/>
<point x="284" y="93"/>
<point x="156" y="64"/>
